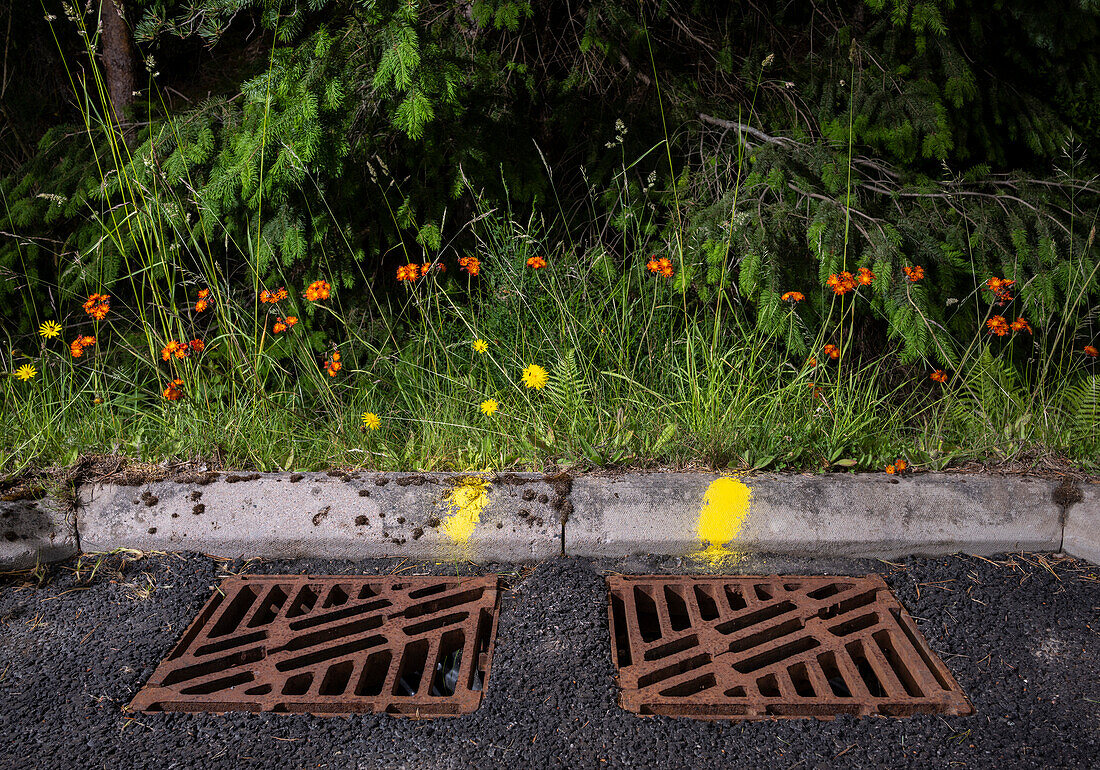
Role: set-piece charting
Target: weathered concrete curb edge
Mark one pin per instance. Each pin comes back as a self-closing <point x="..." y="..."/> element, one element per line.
<point x="528" y="516"/>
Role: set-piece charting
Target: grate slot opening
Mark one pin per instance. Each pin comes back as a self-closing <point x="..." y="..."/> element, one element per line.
<point x="234" y="613"/>
<point x="336" y="678"/>
<point x="763" y="592"/>
<point x="618" y="627"/>
<point x="329" y="653"/>
<point x="230" y="643"/>
<point x="735" y="692"/>
<point x="674" y="669"/>
<point x="438" y="588"/>
<point x="367" y="591"/>
<point x="435" y="623"/>
<point x="800" y="678"/>
<point x="481" y="646"/>
<point x="303" y="602"/>
<point x="904" y="675"/>
<point x="444" y="603"/>
<point x="769" y="634"/>
<point x="768" y="686"/>
<point x="708" y="608"/>
<point x="267" y="611"/>
<point x="846" y="606"/>
<point x="691" y="687"/>
<point x="829" y="668"/>
<point x="196" y="627"/>
<point x="754" y="618"/>
<point x="346" y="612"/>
<point x="373" y="678"/>
<point x="261" y="689"/>
<point x="678" y="616"/>
<point x="854" y="625"/>
<point x="411" y="670"/>
<point x="866" y="672"/>
<point x="298" y="684"/>
<point x="776" y="654"/>
<point x="672" y="648"/>
<point x="331" y="633"/>
<point x="832" y="589"/>
<point x="336" y="596"/>
<point x="734" y="598"/>
<point x="448" y="663"/>
<point x="649" y="624"/>
<point x="196" y="670"/>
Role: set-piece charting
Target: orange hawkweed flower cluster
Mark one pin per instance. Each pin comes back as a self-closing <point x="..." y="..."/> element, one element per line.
<point x="914" y="273"/>
<point x="471" y="265"/>
<point x="1020" y="325"/>
<point x="812" y="362"/>
<point x="76" y="347"/>
<point x="333" y="365"/>
<point x="897" y="467"/>
<point x="1000" y="288"/>
<point x="536" y="263"/>
<point x="938" y="376"/>
<point x="177" y="349"/>
<point x="662" y="266"/>
<point x="412" y="271"/>
<point x="832" y="351"/>
<point x="793" y="296"/>
<point x="282" y="324"/>
<point x="271" y="297"/>
<point x="197" y="346"/>
<point x="318" y="290"/>
<point x="174" y="391"/>
<point x="204" y="300"/>
<point x="865" y="276"/>
<point x="97" y="306"/>
<point x="841" y="284"/>
<point x="998" y="325"/>
<point x="1091" y="351"/>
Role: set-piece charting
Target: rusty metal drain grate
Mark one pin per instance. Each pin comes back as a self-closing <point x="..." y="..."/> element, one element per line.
<point x="762" y="647"/>
<point x="418" y="646"/>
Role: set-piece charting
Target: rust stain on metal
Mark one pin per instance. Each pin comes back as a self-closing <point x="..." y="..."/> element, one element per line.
<point x="765" y="647"/>
<point x="412" y="646"/>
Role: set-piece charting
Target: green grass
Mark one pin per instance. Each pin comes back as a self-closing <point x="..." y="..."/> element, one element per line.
<point x="639" y="374"/>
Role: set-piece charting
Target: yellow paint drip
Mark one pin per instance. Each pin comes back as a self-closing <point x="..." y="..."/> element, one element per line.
<point x="464" y="506"/>
<point x="721" y="517"/>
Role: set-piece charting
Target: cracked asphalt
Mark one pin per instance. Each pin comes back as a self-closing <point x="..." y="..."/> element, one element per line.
<point x="1021" y="634"/>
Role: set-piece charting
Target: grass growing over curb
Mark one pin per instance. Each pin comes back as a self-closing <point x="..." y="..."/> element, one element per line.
<point x="205" y="359"/>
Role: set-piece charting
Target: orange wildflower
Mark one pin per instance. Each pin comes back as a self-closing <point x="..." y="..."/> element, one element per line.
<point x="204" y="293"/>
<point x="865" y="276"/>
<point x="536" y="263"/>
<point x="1020" y="325"/>
<point x="1000" y="288"/>
<point x="197" y="345"/>
<point x="901" y="465"/>
<point x="471" y="265"/>
<point x="939" y="375"/>
<point x="291" y="320"/>
<point x="173" y="348"/>
<point x="997" y="325"/>
<point x="812" y="362"/>
<point x="914" y="273"/>
<point x="278" y="327"/>
<point x="201" y="305"/>
<point x="271" y="297"/>
<point x="319" y="290"/>
<point x="76" y="347"/>
<point x="891" y="469"/>
<point x="333" y="365"/>
<point x="174" y="390"/>
<point x="406" y="272"/>
<point x="832" y="351"/>
<point x="1091" y="351"/>
<point x="97" y="306"/>
<point x="841" y="284"/>
<point x="793" y="296"/>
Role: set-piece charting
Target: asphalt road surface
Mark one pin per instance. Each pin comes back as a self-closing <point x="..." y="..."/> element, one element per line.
<point x="1021" y="634"/>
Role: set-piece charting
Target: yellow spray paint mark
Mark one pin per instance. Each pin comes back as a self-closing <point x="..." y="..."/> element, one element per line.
<point x="723" y="514"/>
<point x="464" y="506"/>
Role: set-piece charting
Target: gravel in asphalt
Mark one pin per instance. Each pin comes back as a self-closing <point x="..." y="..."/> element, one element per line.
<point x="1021" y="634"/>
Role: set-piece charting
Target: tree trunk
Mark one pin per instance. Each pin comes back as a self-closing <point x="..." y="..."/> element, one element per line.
<point x="118" y="62"/>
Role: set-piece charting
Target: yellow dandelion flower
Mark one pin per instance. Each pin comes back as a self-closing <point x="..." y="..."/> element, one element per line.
<point x="371" y="421"/>
<point x="488" y="407"/>
<point x="480" y="346"/>
<point x="50" y="329"/>
<point x="26" y="372"/>
<point x="534" y="376"/>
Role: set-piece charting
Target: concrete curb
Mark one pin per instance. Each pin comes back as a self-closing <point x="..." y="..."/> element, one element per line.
<point x="527" y="516"/>
<point x="333" y="515"/>
<point x="34" y="531"/>
<point x="1082" y="525"/>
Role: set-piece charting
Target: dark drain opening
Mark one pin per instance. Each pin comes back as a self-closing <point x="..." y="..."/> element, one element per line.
<point x="412" y="668"/>
<point x="649" y="625"/>
<point x="449" y="665"/>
